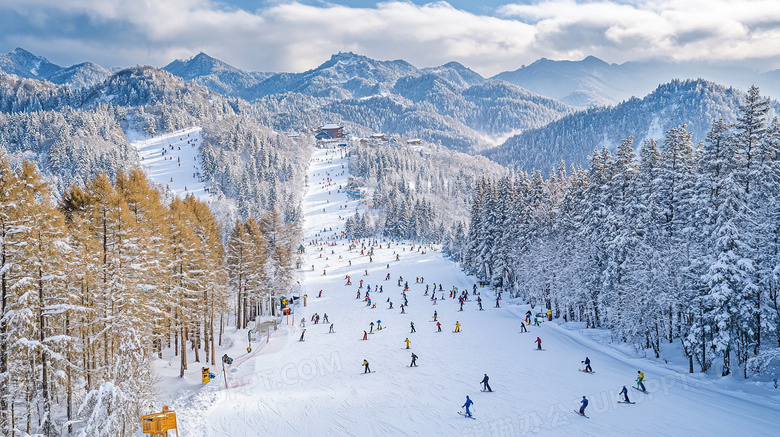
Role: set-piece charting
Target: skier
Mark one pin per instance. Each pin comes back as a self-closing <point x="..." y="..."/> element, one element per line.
<point x="358" y="295"/>
<point x="331" y="329"/>
<point x="414" y="360"/>
<point x="325" y="318"/>
<point x="640" y="380"/>
<point x="497" y="305"/>
<point x="378" y="325"/>
<point x="457" y="326"/>
<point x="485" y="383"/>
<point x="539" y="342"/>
<point x="302" y="334"/>
<point x="391" y="306"/>
<point x="461" y="305"/>
<point x="624" y="392"/>
<point x="320" y="295"/>
<point x="413" y="330"/>
<point x="467" y="405"/>
<point x="408" y="342"/>
<point x="372" y="327"/>
<point x="587" y="365"/>
<point x="438" y="325"/>
<point x="303" y="322"/>
<point x="365" y="364"/>
<point x="435" y="315"/>
<point x="402" y="309"/>
<point x="365" y="335"/>
<point x="522" y="327"/>
<point x="584" y="404"/>
<point x="479" y="302"/>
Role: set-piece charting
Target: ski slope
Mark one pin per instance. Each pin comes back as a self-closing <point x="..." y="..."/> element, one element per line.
<point x="173" y="161"/>
<point x="318" y="388"/>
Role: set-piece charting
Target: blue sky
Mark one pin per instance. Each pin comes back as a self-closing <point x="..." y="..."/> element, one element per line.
<point x="488" y="36"/>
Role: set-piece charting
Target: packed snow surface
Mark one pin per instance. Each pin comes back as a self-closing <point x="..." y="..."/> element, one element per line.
<point x="173" y="161"/>
<point x="318" y="387"/>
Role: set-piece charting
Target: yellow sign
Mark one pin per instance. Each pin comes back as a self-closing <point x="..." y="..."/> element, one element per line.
<point x="205" y="375"/>
<point x="158" y="424"/>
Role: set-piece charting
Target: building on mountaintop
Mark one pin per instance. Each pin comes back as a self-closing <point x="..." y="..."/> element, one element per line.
<point x="332" y="129"/>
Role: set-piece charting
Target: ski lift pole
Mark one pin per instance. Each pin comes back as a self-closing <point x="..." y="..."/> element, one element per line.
<point x="224" y="373"/>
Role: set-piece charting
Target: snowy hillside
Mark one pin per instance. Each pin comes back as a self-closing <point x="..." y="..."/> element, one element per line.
<point x="172" y="160"/>
<point x="317" y="387"/>
<point x="693" y="103"/>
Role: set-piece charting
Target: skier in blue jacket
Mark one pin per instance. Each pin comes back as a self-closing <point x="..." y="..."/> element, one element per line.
<point x="624" y="392"/>
<point x="467" y="405"/>
<point x="584" y="404"/>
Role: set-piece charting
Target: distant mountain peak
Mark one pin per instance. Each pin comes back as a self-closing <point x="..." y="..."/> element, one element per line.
<point x="590" y="59"/>
<point x="344" y="55"/>
<point x="23" y="56"/>
<point x="22" y="52"/>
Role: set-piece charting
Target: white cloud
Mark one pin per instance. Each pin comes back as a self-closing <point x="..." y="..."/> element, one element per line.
<point x="703" y="30"/>
<point x="294" y="37"/>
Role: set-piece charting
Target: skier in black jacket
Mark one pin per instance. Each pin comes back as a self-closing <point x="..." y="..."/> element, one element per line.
<point x="485" y="383"/>
<point x="587" y="365"/>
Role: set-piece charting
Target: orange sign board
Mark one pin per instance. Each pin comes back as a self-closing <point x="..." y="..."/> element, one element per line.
<point x="159" y="423"/>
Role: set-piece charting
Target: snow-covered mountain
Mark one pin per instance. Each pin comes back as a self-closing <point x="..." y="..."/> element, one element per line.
<point x="24" y="64"/>
<point x="72" y="134"/>
<point x="216" y="75"/>
<point x="449" y="103"/>
<point x="589" y="82"/>
<point x="344" y="75"/>
<point x="694" y="103"/>
<point x="593" y="82"/>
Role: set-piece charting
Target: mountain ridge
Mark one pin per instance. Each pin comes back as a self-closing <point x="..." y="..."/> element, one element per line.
<point x="694" y="103"/>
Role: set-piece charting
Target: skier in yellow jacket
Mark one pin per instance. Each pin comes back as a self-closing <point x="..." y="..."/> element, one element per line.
<point x="640" y="380"/>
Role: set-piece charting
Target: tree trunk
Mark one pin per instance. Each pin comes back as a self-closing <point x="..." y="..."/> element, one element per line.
<point x="44" y="360"/>
<point x="196" y="344"/>
<point x="70" y="376"/>
<point x="4" y="384"/>
<point x="183" y="353"/>
<point x="211" y="328"/>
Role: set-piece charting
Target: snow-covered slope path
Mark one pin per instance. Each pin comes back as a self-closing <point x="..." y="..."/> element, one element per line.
<point x="318" y="388"/>
<point x="173" y="160"/>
